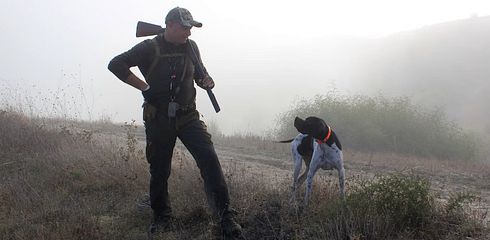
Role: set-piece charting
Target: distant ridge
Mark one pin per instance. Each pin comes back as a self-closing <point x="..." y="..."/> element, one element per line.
<point x="445" y="64"/>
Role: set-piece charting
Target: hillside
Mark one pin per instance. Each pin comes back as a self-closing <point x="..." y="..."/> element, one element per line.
<point x="63" y="180"/>
<point x="442" y="65"/>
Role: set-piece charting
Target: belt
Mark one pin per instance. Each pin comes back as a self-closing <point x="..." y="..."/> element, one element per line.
<point x="181" y="109"/>
<point x="186" y="108"/>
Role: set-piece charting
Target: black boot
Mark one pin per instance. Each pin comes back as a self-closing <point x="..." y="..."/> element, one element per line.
<point x="162" y="223"/>
<point x="229" y="227"/>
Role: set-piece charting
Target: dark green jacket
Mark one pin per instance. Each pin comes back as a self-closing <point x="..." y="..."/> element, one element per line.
<point x="143" y="55"/>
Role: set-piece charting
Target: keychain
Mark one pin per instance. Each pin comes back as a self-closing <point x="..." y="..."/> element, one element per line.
<point x="172" y="109"/>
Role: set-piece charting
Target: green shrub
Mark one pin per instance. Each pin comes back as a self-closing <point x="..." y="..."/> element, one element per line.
<point x="404" y="201"/>
<point x="385" y="125"/>
<point x="386" y="207"/>
<point x="396" y="206"/>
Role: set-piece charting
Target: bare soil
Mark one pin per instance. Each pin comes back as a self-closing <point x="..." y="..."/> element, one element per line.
<point x="446" y="177"/>
<point x="272" y="163"/>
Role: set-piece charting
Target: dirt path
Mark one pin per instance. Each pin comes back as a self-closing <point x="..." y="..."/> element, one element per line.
<point x="447" y="177"/>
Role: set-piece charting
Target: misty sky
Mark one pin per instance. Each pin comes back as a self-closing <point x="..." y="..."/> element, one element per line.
<point x="258" y="52"/>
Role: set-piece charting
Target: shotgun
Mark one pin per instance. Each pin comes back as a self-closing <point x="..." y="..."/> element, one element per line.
<point x="144" y="29"/>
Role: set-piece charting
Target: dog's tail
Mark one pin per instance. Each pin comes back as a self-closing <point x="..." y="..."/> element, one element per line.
<point x="284" y="141"/>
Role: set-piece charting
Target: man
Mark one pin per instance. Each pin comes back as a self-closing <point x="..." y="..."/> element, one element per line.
<point x="169" y="111"/>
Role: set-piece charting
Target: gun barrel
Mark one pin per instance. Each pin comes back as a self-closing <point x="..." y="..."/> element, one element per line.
<point x="144" y="29"/>
<point x="201" y="73"/>
<point x="213" y="100"/>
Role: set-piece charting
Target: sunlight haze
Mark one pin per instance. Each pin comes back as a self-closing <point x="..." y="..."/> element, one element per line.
<point x="262" y="54"/>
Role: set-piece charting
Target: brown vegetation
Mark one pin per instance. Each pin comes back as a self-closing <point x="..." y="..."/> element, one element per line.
<point x="71" y="182"/>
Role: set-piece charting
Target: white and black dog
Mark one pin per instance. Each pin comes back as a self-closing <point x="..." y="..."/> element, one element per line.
<point x="318" y="145"/>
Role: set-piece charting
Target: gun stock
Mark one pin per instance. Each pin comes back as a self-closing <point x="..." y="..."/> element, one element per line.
<point x="144" y="29"/>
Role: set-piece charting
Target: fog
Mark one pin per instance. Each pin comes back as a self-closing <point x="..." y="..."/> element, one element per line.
<point x="263" y="55"/>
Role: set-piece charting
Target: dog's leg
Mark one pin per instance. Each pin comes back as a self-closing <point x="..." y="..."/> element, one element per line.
<point x="340" y="168"/>
<point x="298" y="162"/>
<point x="342" y="181"/>
<point x="302" y="178"/>
<point x="314" y="165"/>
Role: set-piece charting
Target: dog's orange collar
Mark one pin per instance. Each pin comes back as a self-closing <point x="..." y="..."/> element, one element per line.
<point x="329" y="133"/>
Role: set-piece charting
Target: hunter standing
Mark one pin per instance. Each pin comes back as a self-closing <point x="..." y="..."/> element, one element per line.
<point x="169" y="111"/>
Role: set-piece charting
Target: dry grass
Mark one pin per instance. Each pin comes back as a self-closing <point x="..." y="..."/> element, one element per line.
<point x="62" y="185"/>
<point x="73" y="183"/>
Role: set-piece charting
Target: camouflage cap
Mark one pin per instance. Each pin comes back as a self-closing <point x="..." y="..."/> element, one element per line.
<point x="182" y="16"/>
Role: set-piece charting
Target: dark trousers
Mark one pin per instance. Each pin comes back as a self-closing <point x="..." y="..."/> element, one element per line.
<point x="161" y="135"/>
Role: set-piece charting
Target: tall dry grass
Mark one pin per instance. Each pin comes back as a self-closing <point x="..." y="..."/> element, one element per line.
<point x="71" y="183"/>
<point x="62" y="184"/>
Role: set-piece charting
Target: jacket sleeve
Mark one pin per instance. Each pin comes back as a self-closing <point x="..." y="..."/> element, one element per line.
<point x="136" y="56"/>
<point x="197" y="75"/>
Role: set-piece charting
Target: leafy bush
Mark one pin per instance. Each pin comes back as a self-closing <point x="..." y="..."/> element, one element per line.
<point x="403" y="201"/>
<point x="387" y="125"/>
<point x="396" y="206"/>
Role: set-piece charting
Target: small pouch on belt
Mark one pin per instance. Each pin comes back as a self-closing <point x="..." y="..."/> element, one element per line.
<point x="149" y="112"/>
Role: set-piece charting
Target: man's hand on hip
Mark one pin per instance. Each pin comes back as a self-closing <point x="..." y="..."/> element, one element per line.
<point x="148" y="94"/>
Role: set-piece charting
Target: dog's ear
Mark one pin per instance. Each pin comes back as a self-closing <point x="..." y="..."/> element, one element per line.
<point x="299" y="124"/>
